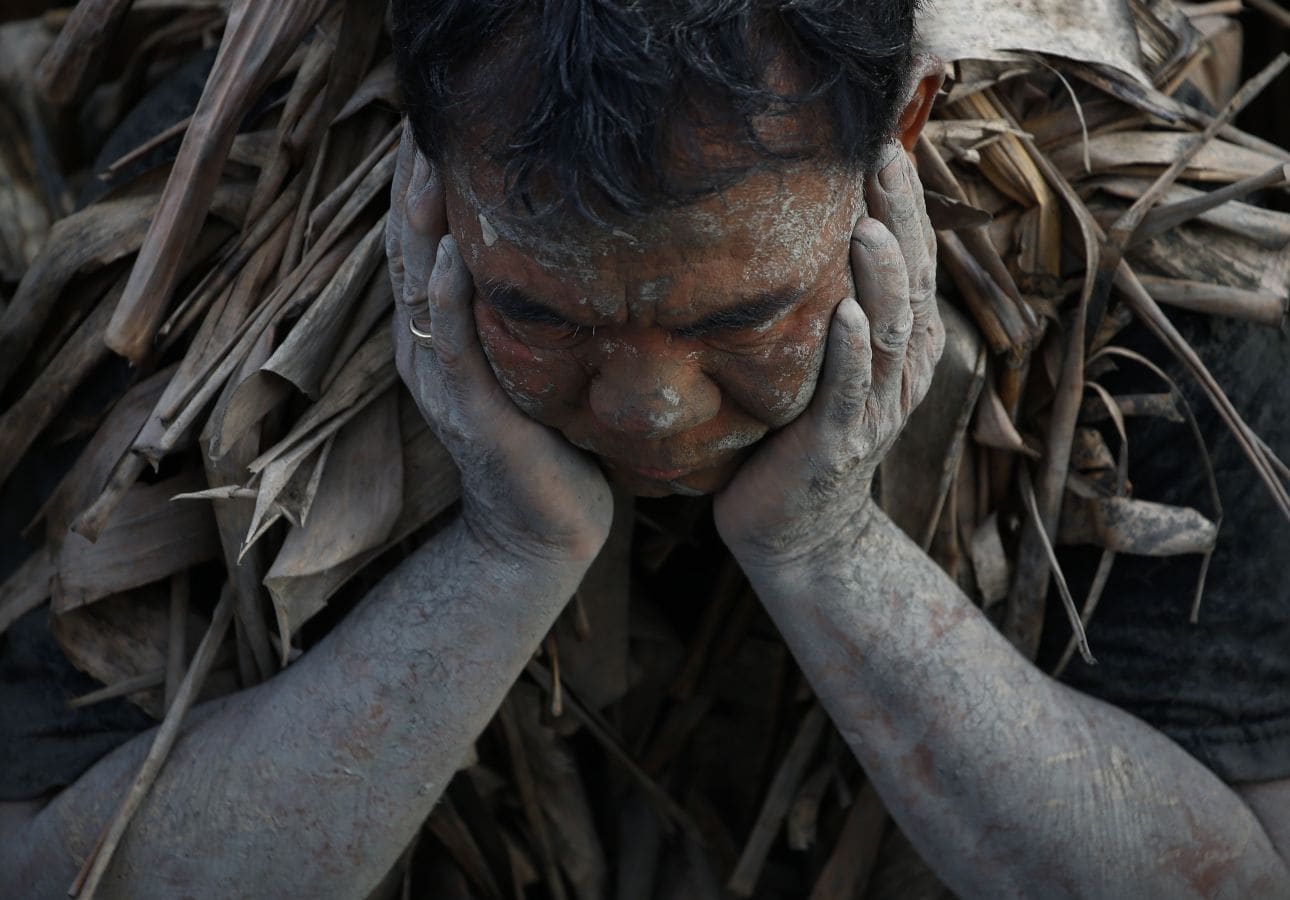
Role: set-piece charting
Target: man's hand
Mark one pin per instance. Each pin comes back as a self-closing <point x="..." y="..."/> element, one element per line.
<point x="525" y="490"/>
<point x="808" y="487"/>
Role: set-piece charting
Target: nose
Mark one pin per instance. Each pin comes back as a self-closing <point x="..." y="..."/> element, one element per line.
<point x="653" y="396"/>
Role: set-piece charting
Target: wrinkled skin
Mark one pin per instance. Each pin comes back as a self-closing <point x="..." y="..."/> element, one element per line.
<point x="524" y="489"/>
<point x="621" y="373"/>
<point x="622" y="359"/>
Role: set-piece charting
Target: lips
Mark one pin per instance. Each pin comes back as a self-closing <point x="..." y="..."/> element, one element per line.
<point x="666" y="463"/>
<point x="657" y="474"/>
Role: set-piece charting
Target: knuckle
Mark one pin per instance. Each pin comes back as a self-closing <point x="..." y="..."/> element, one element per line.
<point x="448" y="356"/>
<point x="893" y="334"/>
<point x="923" y="284"/>
<point x="847" y="405"/>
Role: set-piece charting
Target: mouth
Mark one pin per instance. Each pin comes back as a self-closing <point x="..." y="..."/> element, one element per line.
<point x="695" y="465"/>
<point x="655" y="474"/>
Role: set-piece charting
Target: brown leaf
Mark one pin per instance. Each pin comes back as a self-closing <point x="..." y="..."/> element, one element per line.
<point x="92" y="238"/>
<point x="1095" y="31"/>
<point x="358" y="502"/>
<point x="1139" y="152"/>
<point x="257" y="41"/>
<point x="430" y="484"/>
<point x="89" y="475"/>
<point x="309" y="352"/>
<point x="126" y="636"/>
<point x="1140" y="527"/>
<point x="69" y="69"/>
<point x="148" y="538"/>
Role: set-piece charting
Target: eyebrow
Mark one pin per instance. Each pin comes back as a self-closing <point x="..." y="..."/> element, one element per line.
<point x="514" y="304"/>
<point x="762" y="309"/>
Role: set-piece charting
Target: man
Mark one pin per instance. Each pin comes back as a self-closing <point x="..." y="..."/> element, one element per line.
<point x="686" y="254"/>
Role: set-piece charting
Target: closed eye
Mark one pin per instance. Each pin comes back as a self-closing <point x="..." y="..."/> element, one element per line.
<point x="762" y="311"/>
<point x="514" y="305"/>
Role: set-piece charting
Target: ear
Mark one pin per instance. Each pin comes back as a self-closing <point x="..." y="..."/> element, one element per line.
<point x="926" y="76"/>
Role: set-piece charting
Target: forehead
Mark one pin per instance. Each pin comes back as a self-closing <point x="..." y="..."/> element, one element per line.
<point x="770" y="228"/>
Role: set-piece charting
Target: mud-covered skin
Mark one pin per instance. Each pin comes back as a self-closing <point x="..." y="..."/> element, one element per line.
<point x="624" y="379"/>
<point x="313" y="783"/>
<point x="1009" y="783"/>
<point x="524" y="489"/>
<point x="809" y="480"/>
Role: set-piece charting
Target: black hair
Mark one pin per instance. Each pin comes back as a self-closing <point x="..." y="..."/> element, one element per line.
<point x="594" y="96"/>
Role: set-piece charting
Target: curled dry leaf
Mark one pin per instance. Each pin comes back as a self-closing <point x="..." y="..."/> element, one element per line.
<point x="257" y="40"/>
<point x="148" y="538"/>
<point x="1138" y="527"/>
<point x="358" y="501"/>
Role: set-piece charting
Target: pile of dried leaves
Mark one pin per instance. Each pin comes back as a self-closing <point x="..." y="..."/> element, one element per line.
<point x="260" y="441"/>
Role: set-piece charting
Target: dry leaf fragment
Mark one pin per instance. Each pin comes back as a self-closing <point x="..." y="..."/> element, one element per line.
<point x="257" y="41"/>
<point x="946" y="213"/>
<point x="358" y="502"/>
<point x="1089" y="452"/>
<point x="1139" y="527"/>
<point x="93" y="238"/>
<point x="148" y="538"/>
<point x="1138" y="152"/>
<point x="306" y="356"/>
<point x="24" y="421"/>
<point x="1262" y="307"/>
<point x="89" y="475"/>
<point x="69" y="68"/>
<point x="430" y="483"/>
<point x="1094" y="31"/>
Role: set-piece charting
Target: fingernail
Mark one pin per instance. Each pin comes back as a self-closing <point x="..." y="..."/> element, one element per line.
<point x="868" y="233"/>
<point x="446" y="256"/>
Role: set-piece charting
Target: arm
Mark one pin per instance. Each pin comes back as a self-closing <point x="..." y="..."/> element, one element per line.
<point x="1008" y="783"/>
<point x="313" y="783"/>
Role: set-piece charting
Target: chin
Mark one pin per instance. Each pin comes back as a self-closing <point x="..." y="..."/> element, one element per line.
<point x="696" y="483"/>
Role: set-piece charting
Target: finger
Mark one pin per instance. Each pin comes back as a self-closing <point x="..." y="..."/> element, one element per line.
<point x="425" y="224"/>
<point x="928" y="337"/>
<point x="462" y="364"/>
<point x="882" y="290"/>
<point x="896" y="200"/>
<point x="846" y="379"/>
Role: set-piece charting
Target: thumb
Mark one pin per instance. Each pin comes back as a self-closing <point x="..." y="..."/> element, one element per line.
<point x="465" y="369"/>
<point x="846" y="380"/>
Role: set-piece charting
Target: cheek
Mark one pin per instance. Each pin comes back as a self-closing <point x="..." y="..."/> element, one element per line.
<point x="545" y="384"/>
<point x="775" y="383"/>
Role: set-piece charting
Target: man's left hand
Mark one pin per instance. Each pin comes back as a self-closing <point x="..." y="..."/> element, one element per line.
<point x="808" y="487"/>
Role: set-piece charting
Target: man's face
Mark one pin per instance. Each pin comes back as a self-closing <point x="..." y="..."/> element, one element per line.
<point x="669" y="346"/>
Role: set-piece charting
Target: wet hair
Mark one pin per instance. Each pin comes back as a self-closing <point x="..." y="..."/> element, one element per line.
<point x="599" y="98"/>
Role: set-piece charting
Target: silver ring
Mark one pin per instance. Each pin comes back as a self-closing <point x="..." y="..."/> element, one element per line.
<point x="424" y="337"/>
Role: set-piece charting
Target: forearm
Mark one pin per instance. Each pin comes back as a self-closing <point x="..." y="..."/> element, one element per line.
<point x="312" y="784"/>
<point x="1007" y="782"/>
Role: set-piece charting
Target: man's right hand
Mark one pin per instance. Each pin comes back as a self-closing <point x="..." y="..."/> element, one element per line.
<point x="525" y="490"/>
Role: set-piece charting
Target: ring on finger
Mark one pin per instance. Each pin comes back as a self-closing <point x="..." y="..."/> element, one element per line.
<point x="423" y="336"/>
